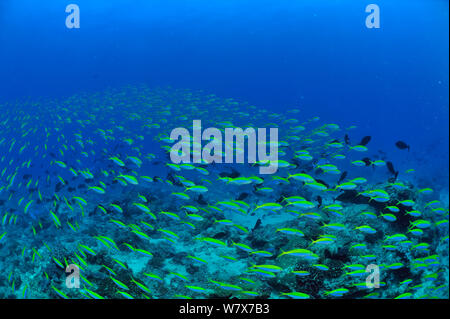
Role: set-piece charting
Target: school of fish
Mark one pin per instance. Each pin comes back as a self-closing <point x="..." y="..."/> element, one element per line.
<point x="87" y="183"/>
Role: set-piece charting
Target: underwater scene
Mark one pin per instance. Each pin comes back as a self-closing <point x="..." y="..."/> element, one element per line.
<point x="224" y="149"/>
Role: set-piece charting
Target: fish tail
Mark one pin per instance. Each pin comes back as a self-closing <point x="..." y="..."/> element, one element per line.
<point x="282" y="253"/>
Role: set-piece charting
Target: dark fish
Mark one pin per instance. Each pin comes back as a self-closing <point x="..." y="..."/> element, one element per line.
<point x="390" y="167"/>
<point x="322" y="182"/>
<point x="233" y="174"/>
<point x="367" y="161"/>
<point x="365" y="140"/>
<point x="296" y="161"/>
<point x="402" y="145"/>
<point x="58" y="187"/>
<point x="201" y="200"/>
<point x="281" y="199"/>
<point x="347" y="139"/>
<point x="242" y="196"/>
<point x="343" y="176"/>
<point x="258" y="223"/>
<point x="319" y="200"/>
<point x="220" y="235"/>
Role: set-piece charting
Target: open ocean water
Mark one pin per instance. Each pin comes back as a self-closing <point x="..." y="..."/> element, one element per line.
<point x="120" y="176"/>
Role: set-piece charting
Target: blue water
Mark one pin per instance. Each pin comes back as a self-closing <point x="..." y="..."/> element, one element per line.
<point x="316" y="56"/>
<point x="391" y="81"/>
